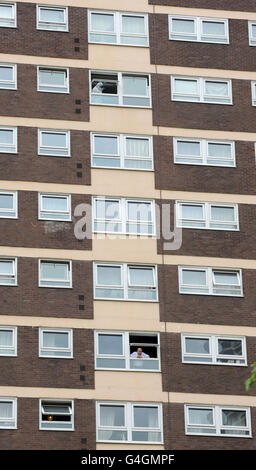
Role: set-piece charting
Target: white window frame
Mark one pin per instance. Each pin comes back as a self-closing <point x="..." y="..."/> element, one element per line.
<point x="52" y="212"/>
<point x="217" y="420"/>
<point x="123" y="220"/>
<point x="12" y="348"/>
<point x="201" y="95"/>
<point x="13" y="21"/>
<point x="252" y="39"/>
<point x="13" y="419"/>
<point x="14" y="272"/>
<point x="126" y="349"/>
<point x="15" y="206"/>
<point x="53" y="88"/>
<point x="253" y="88"/>
<point x="50" y="150"/>
<point x="129" y="421"/>
<point x="54" y="261"/>
<point x="124" y="281"/>
<point x="213" y="350"/>
<point x="210" y="282"/>
<point x="9" y="84"/>
<point x="198" y="36"/>
<point x="204" y="156"/>
<point x="121" y="155"/>
<point x="49" y="349"/>
<point x="13" y="148"/>
<point x="118" y="28"/>
<point x="206" y="216"/>
<point x="51" y="401"/>
<point x="120" y="95"/>
<point x="42" y="25"/>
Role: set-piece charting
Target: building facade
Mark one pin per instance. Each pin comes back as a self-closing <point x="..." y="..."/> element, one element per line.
<point x="127" y="220"/>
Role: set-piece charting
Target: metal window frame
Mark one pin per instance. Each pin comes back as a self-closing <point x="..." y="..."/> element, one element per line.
<point x="55" y="401"/>
<point x="40" y="24"/>
<point x="66" y="89"/>
<point x="204" y="155"/>
<point x="12" y="83"/>
<point x="14" y="409"/>
<point x="198" y="35"/>
<point x="210" y="281"/>
<point x="201" y="94"/>
<point x="207" y="219"/>
<point x="15" y="205"/>
<point x="14" y="330"/>
<point x="51" y="149"/>
<point x="68" y="331"/>
<point x="52" y="212"/>
<point x="54" y="261"/>
<point x="14" y="146"/>
<point x="13" y="20"/>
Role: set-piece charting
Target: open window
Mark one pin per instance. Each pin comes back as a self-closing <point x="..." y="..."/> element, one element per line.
<point x="57" y="415"/>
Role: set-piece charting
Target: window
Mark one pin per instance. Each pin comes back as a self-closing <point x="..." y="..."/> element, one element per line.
<point x="210" y="281"/>
<point x="52" y="18"/>
<point x="8" y="15"/>
<point x="8" y="139"/>
<point x="207" y="215"/>
<point x="120" y="89"/>
<point x="128" y="216"/>
<point x="55" y="343"/>
<point x="54" y="207"/>
<point x="54" y="143"/>
<point x="190" y="28"/>
<point x="8" y="413"/>
<point x="211" y="349"/>
<point x="8" y="272"/>
<point x="204" y="152"/>
<point x="254" y="93"/>
<point x="56" y="415"/>
<point x="130" y="29"/>
<point x="252" y="33"/>
<point x="131" y="152"/>
<point x="52" y="80"/>
<point x="125" y="282"/>
<point x="201" y="90"/>
<point x="218" y="420"/>
<point x="129" y="422"/>
<point x="8" y="76"/>
<point x="8" y="341"/>
<point x="119" y="350"/>
<point x="55" y="273"/>
<point x="8" y="205"/>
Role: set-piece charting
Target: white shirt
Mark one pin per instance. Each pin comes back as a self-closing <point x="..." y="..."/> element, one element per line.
<point x="135" y="354"/>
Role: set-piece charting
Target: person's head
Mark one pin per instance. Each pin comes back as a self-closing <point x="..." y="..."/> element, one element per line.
<point x="139" y="351"/>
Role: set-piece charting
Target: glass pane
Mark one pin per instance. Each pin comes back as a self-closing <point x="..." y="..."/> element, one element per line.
<point x="219" y="150"/>
<point x="54" y="203"/>
<point x="230" y="347"/>
<point x="112" y="415"/>
<point x="226" y="278"/>
<point x="5" y="12"/>
<point x="145" y="417"/>
<point x="223" y="213"/>
<point x="102" y="22"/>
<point x="111" y="344"/>
<point x="105" y="145"/>
<point x="107" y="209"/>
<point x="52" y="77"/>
<point x="183" y="26"/>
<point x="109" y="275"/>
<point x="188" y="148"/>
<point x="112" y="435"/>
<point x="6" y="337"/>
<point x="6" y="136"/>
<point x="6" y="73"/>
<point x="50" y="139"/>
<point x="56" y="408"/>
<point x="233" y="418"/>
<point x="6" y="267"/>
<point x="137" y="147"/>
<point x="133" y="24"/>
<point x="146" y="436"/>
<point x="216" y="88"/>
<point x="54" y="16"/>
<point x="6" y="201"/>
<point x="192" y="212"/>
<point x="6" y="409"/>
<point x="254" y="31"/>
<point x="141" y="277"/>
<point x="197" y="345"/>
<point x="55" y="340"/>
<point x="186" y="86"/>
<point x="213" y="28"/>
<point x="54" y="271"/>
<point x="200" y="416"/>
<point x="135" y="85"/>
<point x="139" y="211"/>
<point x="194" y="277"/>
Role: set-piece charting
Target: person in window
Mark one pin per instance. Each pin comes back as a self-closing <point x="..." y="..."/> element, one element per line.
<point x="98" y="88"/>
<point x="139" y="354"/>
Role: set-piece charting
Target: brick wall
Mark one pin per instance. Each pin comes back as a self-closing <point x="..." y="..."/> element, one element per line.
<point x="240" y="5"/>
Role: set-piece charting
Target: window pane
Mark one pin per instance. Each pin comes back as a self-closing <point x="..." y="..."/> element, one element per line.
<point x="139" y="211"/>
<point x="145" y="417"/>
<point x="102" y="22"/>
<point x="230" y="347"/>
<point x="55" y="16"/>
<point x="54" y="271"/>
<point x="5" y="12"/>
<point x="6" y="338"/>
<point x="135" y="86"/>
<point x="111" y="344"/>
<point x="223" y="213"/>
<point x="186" y="86"/>
<point x="183" y="26"/>
<point x="200" y="416"/>
<point x="54" y="203"/>
<point x="137" y="147"/>
<point x="105" y="145"/>
<point x="6" y="201"/>
<point x="141" y="277"/>
<point x="107" y="209"/>
<point x="192" y="212"/>
<point x="55" y="340"/>
<point x="6" y="73"/>
<point x="188" y="148"/>
<point x="226" y="278"/>
<point x="52" y="77"/>
<point x="219" y="150"/>
<point x="109" y="275"/>
<point x="216" y="88"/>
<point x="50" y="139"/>
<point x="213" y="28"/>
<point x="6" y="136"/>
<point x="6" y="409"/>
<point x="6" y="267"/>
<point x="233" y="418"/>
<point x="254" y="30"/>
<point x="56" y="408"/>
<point x="194" y="277"/>
<point x="197" y="345"/>
<point x="112" y="415"/>
<point x="133" y="24"/>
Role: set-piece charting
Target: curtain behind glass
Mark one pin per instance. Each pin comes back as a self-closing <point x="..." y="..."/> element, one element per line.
<point x="6" y="338"/>
<point x="133" y="24"/>
<point x="6" y="409"/>
<point x="200" y="416"/>
<point x="55" y="340"/>
<point x="102" y="22"/>
<point x="137" y="147"/>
